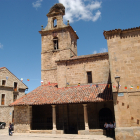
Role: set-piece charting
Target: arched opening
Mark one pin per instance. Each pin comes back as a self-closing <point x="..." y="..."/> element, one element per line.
<point x="105" y="115"/>
<point x="55" y="42"/>
<point x="54" y="22"/>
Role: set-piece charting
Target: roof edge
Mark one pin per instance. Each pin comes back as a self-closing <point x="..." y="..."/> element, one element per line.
<point x="84" y="57"/>
<point x="43" y="32"/>
<point x="120" y="32"/>
<point x="15" y="76"/>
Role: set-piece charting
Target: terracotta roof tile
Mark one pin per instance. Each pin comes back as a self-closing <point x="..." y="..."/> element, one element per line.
<point x="50" y="94"/>
<point x="2" y="67"/>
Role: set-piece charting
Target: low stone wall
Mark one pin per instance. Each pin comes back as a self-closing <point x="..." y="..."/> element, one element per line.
<point x="97" y="132"/>
<point x="127" y="133"/>
<point x="21" y="128"/>
<point x="92" y="132"/>
<point x="47" y="131"/>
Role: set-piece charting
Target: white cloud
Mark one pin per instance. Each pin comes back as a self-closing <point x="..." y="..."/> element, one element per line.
<point x="81" y="10"/>
<point x="1" y="46"/>
<point x="103" y="50"/>
<point x="37" y="4"/>
<point x="94" y="52"/>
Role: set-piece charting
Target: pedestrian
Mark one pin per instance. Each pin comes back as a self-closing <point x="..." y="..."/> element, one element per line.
<point x="10" y="129"/>
<point x="111" y="128"/>
<point x="106" y="126"/>
<point x="114" y="124"/>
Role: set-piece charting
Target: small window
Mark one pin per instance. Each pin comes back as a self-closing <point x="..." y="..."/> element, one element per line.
<point x="3" y="99"/>
<point x="14" y="98"/>
<point x="15" y="86"/>
<point x="55" y="23"/>
<point x="55" y="41"/>
<point x="3" y="82"/>
<point x="89" y="77"/>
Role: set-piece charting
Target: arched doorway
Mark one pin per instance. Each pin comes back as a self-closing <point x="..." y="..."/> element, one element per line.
<point x="105" y="115"/>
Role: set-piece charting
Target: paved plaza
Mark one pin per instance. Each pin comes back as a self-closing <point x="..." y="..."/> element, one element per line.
<point x="37" y="136"/>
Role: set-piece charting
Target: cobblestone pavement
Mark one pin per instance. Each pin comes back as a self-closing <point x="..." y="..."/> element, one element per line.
<point x="37" y="136"/>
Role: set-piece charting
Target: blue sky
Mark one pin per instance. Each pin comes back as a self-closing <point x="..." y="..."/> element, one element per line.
<point x="20" y="21"/>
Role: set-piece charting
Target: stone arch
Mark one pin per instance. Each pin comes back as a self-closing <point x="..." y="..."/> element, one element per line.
<point x="105" y="115"/>
<point x="54" y="22"/>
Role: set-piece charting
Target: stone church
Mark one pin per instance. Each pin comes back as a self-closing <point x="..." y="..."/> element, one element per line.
<point x="80" y="93"/>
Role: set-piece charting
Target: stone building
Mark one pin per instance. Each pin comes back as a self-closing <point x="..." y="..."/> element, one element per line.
<point x="80" y="93"/>
<point x="11" y="89"/>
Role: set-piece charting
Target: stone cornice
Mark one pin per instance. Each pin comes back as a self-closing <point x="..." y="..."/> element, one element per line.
<point x="45" y="32"/>
<point x="122" y="33"/>
<point x="81" y="58"/>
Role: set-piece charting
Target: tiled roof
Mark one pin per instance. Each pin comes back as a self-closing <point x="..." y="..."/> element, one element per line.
<point x="2" y="67"/>
<point x="50" y="94"/>
<point x="85" y="56"/>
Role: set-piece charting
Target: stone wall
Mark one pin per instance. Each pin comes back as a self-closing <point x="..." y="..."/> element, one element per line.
<point x="127" y="133"/>
<point x="6" y="112"/>
<point x="23" y="118"/>
<point x="11" y="78"/>
<point x="124" y="61"/>
<point x="74" y="72"/>
<point x="65" y="50"/>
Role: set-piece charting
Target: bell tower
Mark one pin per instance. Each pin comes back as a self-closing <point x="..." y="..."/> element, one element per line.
<point x="59" y="42"/>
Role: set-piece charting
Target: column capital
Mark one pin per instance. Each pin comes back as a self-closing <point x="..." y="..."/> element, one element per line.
<point x="85" y="105"/>
<point x="53" y="106"/>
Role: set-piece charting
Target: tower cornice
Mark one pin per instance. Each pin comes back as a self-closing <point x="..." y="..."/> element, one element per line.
<point x="44" y="32"/>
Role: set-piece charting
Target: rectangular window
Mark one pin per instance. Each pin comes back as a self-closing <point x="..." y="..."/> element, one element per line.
<point x="3" y="82"/>
<point x="14" y="98"/>
<point x="89" y="77"/>
<point x="2" y="99"/>
<point x="55" y="42"/>
<point x="15" y="86"/>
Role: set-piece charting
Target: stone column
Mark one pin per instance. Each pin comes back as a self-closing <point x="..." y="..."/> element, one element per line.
<point x="86" y="117"/>
<point x="54" y="117"/>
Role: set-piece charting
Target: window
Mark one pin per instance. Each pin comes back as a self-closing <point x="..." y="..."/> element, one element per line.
<point x="3" y="99"/>
<point x="55" y="42"/>
<point x="15" y="86"/>
<point x="55" y="23"/>
<point x="89" y="77"/>
<point x="14" y="98"/>
<point x="3" y="82"/>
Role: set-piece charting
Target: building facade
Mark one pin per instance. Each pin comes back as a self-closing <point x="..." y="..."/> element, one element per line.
<point x="80" y="93"/>
<point x="11" y="89"/>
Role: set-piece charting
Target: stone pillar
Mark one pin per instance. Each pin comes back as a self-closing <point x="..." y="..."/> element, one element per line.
<point x="86" y="117"/>
<point x="54" y="118"/>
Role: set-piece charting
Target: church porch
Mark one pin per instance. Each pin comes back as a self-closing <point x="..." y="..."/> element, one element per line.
<point x="87" y="118"/>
